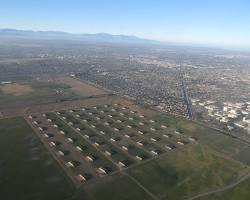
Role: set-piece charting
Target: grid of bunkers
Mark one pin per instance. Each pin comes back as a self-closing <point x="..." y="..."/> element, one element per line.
<point x="96" y="141"/>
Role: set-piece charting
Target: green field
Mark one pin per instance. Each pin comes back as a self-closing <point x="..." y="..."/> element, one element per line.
<point x="43" y="93"/>
<point x="27" y="171"/>
<point x="118" y="187"/>
<point x="187" y="172"/>
<point x="240" y="192"/>
<point x="217" y="141"/>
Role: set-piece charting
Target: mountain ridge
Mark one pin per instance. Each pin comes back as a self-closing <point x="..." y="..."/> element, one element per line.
<point x="65" y="35"/>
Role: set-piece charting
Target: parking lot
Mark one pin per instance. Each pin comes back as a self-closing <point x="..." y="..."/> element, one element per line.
<point x="92" y="142"/>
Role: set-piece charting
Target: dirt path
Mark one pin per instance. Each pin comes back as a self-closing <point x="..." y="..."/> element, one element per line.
<point x="141" y="186"/>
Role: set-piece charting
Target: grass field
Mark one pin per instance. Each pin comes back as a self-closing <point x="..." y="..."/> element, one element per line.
<point x="16" y="89"/>
<point x="115" y="187"/>
<point x="27" y="171"/>
<point x="15" y="102"/>
<point x="217" y="141"/>
<point x="240" y="192"/>
<point x="79" y="87"/>
<point x="187" y="172"/>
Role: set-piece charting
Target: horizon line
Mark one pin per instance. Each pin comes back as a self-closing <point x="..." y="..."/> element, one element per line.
<point x="232" y="47"/>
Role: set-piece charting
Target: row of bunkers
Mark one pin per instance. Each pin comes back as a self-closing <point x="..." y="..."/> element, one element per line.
<point x="95" y="141"/>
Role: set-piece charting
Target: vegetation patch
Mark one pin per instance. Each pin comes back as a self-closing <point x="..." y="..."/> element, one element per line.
<point x="187" y="172"/>
<point x="27" y="170"/>
<point x="16" y="89"/>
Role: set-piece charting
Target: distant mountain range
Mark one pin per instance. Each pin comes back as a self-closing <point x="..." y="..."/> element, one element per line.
<point x="72" y="36"/>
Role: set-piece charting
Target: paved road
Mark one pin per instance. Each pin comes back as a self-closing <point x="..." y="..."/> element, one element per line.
<point x="185" y="94"/>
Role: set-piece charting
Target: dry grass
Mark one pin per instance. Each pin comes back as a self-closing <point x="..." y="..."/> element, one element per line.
<point x="80" y="88"/>
<point x="16" y="89"/>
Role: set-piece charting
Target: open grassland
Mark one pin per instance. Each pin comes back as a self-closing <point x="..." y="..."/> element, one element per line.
<point x="16" y="89"/>
<point x="178" y="174"/>
<point x="219" y="142"/>
<point x="240" y="192"/>
<point x="54" y="93"/>
<point x="27" y="171"/>
<point x="16" y="98"/>
<point x="187" y="172"/>
<point x="115" y="187"/>
<point x="79" y="87"/>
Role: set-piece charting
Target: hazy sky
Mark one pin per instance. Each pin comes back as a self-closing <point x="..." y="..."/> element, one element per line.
<point x="225" y="22"/>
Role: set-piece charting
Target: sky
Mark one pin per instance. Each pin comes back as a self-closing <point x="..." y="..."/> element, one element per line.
<point x="219" y="22"/>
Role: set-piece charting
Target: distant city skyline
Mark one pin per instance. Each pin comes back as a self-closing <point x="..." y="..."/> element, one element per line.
<point x="208" y="22"/>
